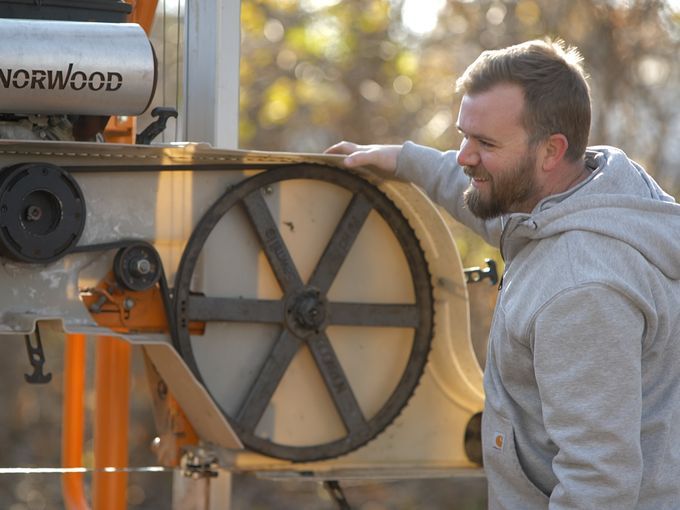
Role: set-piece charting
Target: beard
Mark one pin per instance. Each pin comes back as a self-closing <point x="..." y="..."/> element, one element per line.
<point x="509" y="191"/>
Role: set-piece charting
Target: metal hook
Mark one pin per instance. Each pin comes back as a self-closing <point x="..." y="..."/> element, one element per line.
<point x="36" y="357"/>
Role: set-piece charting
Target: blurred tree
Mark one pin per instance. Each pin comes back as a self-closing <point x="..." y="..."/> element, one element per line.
<point x="316" y="71"/>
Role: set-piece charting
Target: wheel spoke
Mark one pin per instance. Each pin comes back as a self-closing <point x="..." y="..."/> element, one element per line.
<point x="376" y="315"/>
<point x="337" y="383"/>
<point x="341" y="242"/>
<point x="272" y="243"/>
<point x="206" y="309"/>
<point x="267" y="381"/>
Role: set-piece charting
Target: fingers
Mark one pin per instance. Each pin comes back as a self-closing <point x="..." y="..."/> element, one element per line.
<point x="357" y="155"/>
<point x="342" y="148"/>
<point x="378" y="157"/>
<point x="370" y="157"/>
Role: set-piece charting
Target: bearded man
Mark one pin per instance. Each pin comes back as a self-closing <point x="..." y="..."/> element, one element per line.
<point x="582" y="378"/>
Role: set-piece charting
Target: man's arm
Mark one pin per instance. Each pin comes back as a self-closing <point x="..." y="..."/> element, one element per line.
<point x="587" y="350"/>
<point x="437" y="173"/>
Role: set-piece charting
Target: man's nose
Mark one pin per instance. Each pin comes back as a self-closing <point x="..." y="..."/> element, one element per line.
<point x="468" y="155"/>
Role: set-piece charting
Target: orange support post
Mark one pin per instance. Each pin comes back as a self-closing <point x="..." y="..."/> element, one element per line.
<point x="112" y="393"/>
<point x="143" y="12"/>
<point x="73" y="422"/>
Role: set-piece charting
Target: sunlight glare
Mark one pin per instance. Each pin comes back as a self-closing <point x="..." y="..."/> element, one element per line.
<point x="317" y="5"/>
<point x="421" y="16"/>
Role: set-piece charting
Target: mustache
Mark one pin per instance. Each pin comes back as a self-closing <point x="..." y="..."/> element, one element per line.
<point x="476" y="172"/>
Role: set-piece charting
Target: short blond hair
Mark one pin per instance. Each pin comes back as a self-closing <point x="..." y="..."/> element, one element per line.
<point x="556" y="93"/>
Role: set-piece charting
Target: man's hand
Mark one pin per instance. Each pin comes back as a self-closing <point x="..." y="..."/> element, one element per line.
<point x="379" y="157"/>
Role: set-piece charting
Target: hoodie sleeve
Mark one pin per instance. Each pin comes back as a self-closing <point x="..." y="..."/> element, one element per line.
<point x="587" y="350"/>
<point x="442" y="178"/>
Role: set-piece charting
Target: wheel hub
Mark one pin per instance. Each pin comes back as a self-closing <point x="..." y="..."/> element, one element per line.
<point x="306" y="312"/>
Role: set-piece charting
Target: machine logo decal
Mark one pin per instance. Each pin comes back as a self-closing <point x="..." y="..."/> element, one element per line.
<point x="52" y="79"/>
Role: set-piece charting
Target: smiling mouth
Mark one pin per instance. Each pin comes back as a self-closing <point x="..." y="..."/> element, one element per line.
<point x="475" y="178"/>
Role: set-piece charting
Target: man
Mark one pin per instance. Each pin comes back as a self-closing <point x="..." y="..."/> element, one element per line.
<point x="582" y="378"/>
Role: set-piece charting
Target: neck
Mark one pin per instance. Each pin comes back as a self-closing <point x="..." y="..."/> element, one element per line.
<point x="567" y="177"/>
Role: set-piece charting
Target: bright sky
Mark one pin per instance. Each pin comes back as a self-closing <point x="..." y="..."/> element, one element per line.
<point x="420" y="16"/>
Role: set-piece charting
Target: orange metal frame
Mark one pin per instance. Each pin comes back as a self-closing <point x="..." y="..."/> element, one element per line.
<point x="73" y="425"/>
<point x="112" y="380"/>
<point x="145" y="312"/>
<point x="112" y="393"/>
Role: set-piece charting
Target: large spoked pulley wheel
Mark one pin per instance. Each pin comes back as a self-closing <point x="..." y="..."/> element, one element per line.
<point x="318" y="310"/>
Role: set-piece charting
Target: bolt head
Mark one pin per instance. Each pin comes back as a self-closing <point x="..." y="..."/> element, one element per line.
<point x="143" y="267"/>
<point x="33" y="213"/>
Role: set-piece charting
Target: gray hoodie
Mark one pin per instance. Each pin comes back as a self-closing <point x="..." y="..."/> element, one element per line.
<point x="582" y="379"/>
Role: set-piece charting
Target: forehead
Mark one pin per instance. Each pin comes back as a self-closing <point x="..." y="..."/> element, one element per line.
<point x="494" y="113"/>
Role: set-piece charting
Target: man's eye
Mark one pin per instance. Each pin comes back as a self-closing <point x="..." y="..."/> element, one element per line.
<point x="484" y="143"/>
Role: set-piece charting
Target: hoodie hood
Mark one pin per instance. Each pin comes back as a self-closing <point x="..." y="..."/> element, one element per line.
<point x="619" y="200"/>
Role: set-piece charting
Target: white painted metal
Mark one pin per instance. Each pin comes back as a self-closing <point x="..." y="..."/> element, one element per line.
<point x="212" y="58"/>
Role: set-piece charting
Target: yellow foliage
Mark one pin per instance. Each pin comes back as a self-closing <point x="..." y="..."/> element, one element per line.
<point x="528" y="12"/>
<point x="246" y="130"/>
<point x="296" y="40"/>
<point x="322" y="36"/>
<point x="279" y="103"/>
<point x="252" y="17"/>
<point x="406" y="63"/>
<point x="375" y="16"/>
<point x="246" y="72"/>
<point x="282" y="5"/>
<point x="261" y="57"/>
<point x="308" y="92"/>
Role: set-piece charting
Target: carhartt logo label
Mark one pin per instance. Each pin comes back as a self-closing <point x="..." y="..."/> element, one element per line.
<point x="498" y="441"/>
<point x="60" y="79"/>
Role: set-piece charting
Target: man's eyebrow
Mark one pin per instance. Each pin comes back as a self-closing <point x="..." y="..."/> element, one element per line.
<point x="477" y="136"/>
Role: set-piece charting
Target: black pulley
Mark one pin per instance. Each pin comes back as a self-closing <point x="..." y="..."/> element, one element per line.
<point x="42" y="212"/>
<point x="137" y="267"/>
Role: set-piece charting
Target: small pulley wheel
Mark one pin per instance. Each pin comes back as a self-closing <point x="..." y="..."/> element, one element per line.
<point x="137" y="267"/>
<point x="42" y="212"/>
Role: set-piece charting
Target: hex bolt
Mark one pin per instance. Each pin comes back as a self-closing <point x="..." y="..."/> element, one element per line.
<point x="128" y="304"/>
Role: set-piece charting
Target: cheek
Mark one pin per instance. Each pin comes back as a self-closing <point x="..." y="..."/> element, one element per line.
<point x="498" y="163"/>
<point x="491" y="163"/>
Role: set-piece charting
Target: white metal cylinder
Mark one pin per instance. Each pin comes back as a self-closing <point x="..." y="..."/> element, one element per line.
<point x="65" y="67"/>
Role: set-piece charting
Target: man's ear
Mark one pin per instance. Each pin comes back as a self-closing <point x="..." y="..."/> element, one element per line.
<point x="554" y="149"/>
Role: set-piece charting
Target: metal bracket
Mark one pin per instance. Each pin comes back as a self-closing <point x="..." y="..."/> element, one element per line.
<point x="199" y="462"/>
<point x="156" y="127"/>
<point x="337" y="494"/>
<point x="477" y="274"/>
<point x="36" y="357"/>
